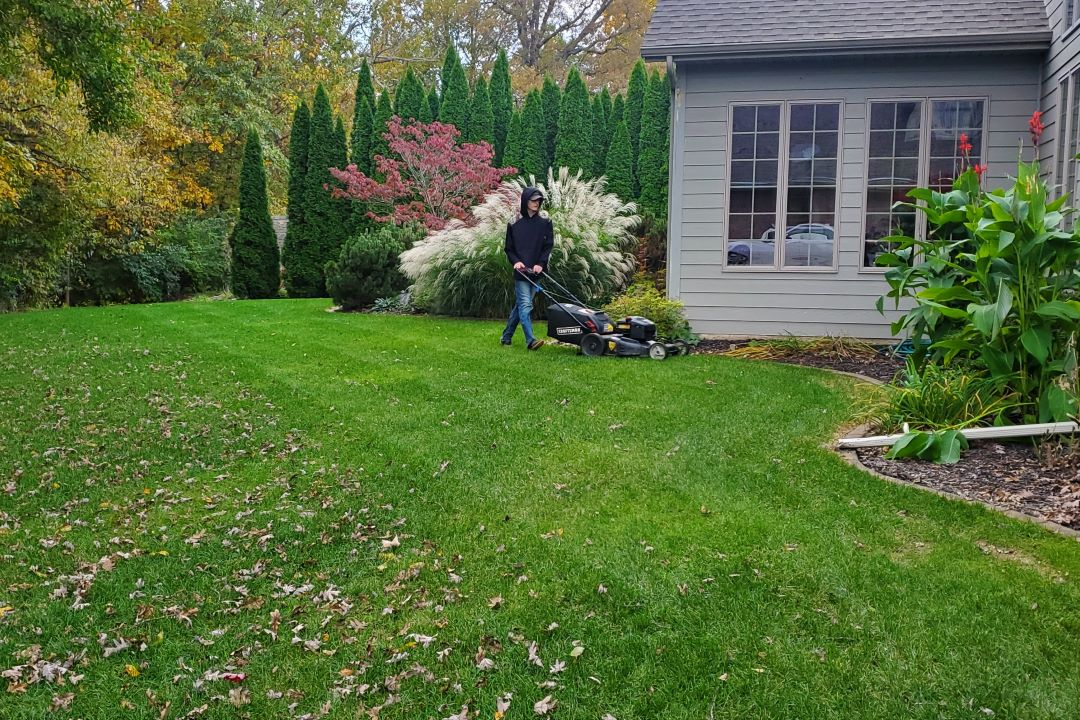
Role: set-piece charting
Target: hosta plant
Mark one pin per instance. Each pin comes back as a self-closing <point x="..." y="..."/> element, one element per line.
<point x="462" y="269"/>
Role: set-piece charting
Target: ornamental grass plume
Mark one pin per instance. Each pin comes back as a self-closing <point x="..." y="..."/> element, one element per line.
<point x="462" y="269"/>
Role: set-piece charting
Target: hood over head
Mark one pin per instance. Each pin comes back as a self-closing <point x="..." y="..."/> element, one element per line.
<point x="526" y="194"/>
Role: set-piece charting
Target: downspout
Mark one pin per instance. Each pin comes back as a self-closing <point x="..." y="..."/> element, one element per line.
<point x="982" y="433"/>
<point x="673" y="116"/>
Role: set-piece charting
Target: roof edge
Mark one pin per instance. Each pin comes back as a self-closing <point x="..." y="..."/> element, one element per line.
<point x="1010" y="42"/>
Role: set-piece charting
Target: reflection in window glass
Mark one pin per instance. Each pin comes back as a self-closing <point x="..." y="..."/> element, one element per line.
<point x="813" y="140"/>
<point x="949" y="120"/>
<point x="893" y="163"/>
<point x="755" y="145"/>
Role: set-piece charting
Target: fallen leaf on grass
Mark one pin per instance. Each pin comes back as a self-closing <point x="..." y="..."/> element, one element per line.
<point x="463" y="715"/>
<point x="61" y="702"/>
<point x="543" y="707"/>
<point x="131" y="670"/>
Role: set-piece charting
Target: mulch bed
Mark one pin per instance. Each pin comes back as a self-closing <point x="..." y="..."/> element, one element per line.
<point x="1011" y="476"/>
<point x="880" y="367"/>
<point x="1041" y="482"/>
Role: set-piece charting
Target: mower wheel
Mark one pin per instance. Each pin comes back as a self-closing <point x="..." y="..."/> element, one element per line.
<point x="658" y="351"/>
<point x="592" y="345"/>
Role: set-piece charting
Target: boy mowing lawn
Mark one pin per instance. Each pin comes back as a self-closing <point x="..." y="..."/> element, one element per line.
<point x="528" y="246"/>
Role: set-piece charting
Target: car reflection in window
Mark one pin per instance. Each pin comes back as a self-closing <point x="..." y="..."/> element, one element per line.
<point x="805" y="245"/>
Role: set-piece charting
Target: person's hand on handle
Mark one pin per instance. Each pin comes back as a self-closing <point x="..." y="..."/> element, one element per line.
<point x="537" y="269"/>
<point x="519" y="265"/>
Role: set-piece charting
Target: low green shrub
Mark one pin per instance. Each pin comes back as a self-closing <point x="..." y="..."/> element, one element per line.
<point x="642" y="298"/>
<point x="366" y="270"/>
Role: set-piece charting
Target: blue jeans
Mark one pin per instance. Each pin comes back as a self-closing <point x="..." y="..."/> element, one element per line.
<point x="521" y="312"/>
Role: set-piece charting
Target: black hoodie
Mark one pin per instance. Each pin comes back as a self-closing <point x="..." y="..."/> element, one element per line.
<point x="530" y="239"/>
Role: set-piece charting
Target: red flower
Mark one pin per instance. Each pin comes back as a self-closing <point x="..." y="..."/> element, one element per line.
<point x="964" y="146"/>
<point x="1036" y="126"/>
<point x="979" y="169"/>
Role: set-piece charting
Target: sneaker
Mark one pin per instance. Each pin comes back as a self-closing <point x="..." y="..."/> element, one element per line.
<point x="504" y="342"/>
<point x="536" y="344"/>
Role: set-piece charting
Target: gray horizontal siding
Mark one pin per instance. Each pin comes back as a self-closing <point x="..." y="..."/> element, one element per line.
<point x="1061" y="60"/>
<point x="841" y="301"/>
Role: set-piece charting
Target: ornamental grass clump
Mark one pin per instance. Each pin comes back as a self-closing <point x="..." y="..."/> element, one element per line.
<point x="462" y="269"/>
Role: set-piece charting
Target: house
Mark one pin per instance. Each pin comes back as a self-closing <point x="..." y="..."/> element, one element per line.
<point x="797" y="124"/>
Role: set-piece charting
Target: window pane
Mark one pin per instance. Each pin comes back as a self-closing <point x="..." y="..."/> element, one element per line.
<point x="812" y="180"/>
<point x="768" y="145"/>
<point x="742" y="146"/>
<point x="741" y="200"/>
<point x="768" y="118"/>
<point x="892" y="170"/>
<point x="743" y="118"/>
<point x="802" y="117"/>
<point x="954" y="122"/>
<point x="753" y="186"/>
<point x="827" y="117"/>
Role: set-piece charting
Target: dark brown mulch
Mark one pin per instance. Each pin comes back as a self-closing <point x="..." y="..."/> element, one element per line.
<point x="880" y="367"/>
<point x="1011" y="476"/>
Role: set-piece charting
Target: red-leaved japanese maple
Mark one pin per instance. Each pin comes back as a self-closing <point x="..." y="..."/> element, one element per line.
<point x="431" y="178"/>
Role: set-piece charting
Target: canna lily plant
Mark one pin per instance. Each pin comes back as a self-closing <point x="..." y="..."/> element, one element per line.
<point x="995" y="284"/>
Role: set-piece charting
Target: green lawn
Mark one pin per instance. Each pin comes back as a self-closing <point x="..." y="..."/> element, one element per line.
<point x="355" y="510"/>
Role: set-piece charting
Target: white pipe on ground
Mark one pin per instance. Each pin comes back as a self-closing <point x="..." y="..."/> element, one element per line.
<point x="983" y="433"/>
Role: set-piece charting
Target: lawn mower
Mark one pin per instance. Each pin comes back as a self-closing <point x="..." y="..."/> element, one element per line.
<point x="571" y="321"/>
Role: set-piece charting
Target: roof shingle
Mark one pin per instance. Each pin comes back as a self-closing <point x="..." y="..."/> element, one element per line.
<point x="732" y="26"/>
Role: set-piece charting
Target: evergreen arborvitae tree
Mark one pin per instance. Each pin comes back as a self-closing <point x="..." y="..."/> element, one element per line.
<point x="573" y="146"/>
<point x="620" y="164"/>
<point x="409" y="97"/>
<point x="341" y="148"/>
<point x="426" y="114"/>
<point x="533" y="136"/>
<point x="361" y="136"/>
<point x="481" y="120"/>
<point x="365" y="86"/>
<point x="618" y="112"/>
<point x="383" y="113"/>
<point x="433" y="104"/>
<point x="502" y="103"/>
<point x="341" y="155"/>
<point x="454" y="103"/>
<point x="298" y="161"/>
<point x="514" y="152"/>
<point x="600" y="137"/>
<point x="256" y="269"/>
<point x="323" y="230"/>
<point x="653" y="160"/>
<point x="635" y="101"/>
<point x="605" y="100"/>
<point x="552" y="97"/>
<point x="450" y="59"/>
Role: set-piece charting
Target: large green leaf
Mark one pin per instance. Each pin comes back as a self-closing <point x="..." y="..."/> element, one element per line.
<point x="983" y="318"/>
<point x="910" y="445"/>
<point x="997" y="362"/>
<point x="1037" y="340"/>
<point x="1056" y="405"/>
<point x="945" y="294"/>
<point x="1064" y="309"/>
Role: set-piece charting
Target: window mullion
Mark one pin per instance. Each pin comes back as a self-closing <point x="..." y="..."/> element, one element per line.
<point x="781" y="185"/>
<point x="924" y="163"/>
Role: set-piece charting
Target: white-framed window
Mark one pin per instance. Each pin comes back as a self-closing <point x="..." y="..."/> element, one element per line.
<point x="1067" y="130"/>
<point x="914" y="143"/>
<point x="783" y="184"/>
<point x="1072" y="12"/>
